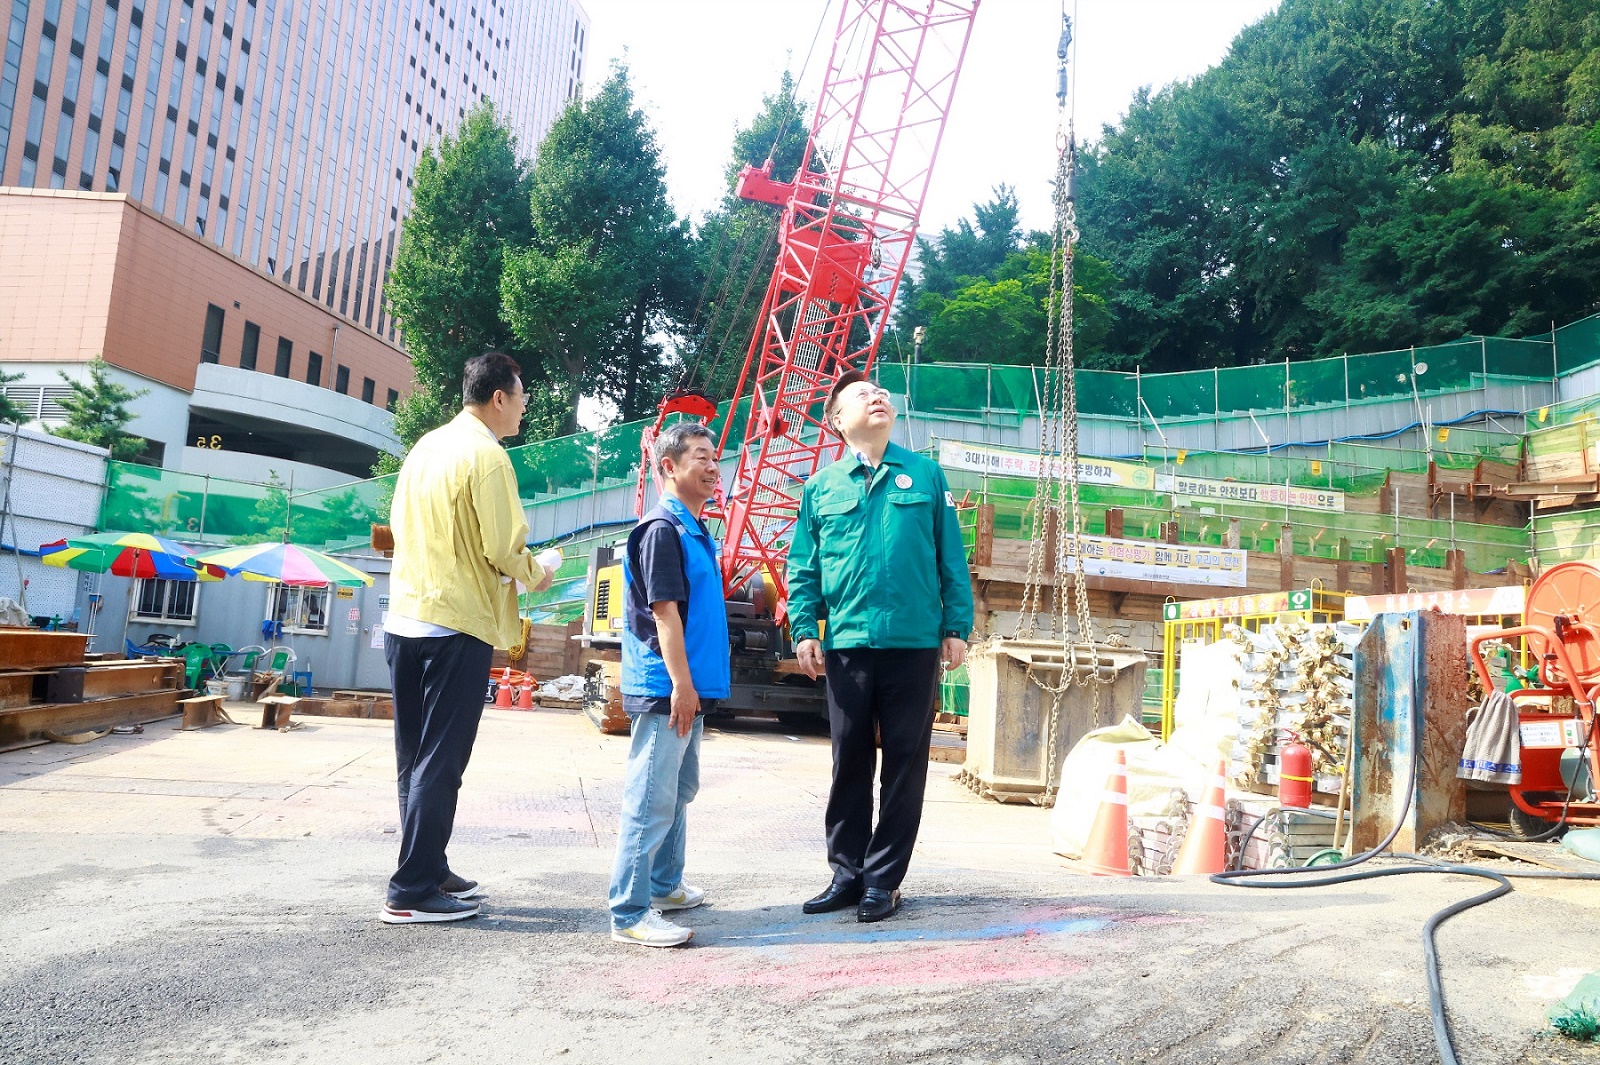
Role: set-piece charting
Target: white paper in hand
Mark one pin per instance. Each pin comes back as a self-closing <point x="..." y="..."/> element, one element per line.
<point x="549" y="558"/>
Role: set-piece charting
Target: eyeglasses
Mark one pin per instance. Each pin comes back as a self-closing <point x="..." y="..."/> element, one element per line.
<point x="866" y="394"/>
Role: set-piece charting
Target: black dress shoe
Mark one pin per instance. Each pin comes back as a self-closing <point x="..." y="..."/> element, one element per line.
<point x="878" y="903"/>
<point x="839" y="895"/>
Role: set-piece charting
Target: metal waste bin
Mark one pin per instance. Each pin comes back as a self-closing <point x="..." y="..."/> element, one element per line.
<point x="1007" y="712"/>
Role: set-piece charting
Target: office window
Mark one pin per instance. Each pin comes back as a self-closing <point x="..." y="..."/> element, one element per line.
<point x="285" y="356"/>
<point x="389" y="403"/>
<point x="367" y="387"/>
<point x="247" y="350"/>
<point x="300" y="609"/>
<point x="10" y="68"/>
<point x="314" y="369"/>
<point x="211" y="344"/>
<point x="162" y="600"/>
<point x="341" y="380"/>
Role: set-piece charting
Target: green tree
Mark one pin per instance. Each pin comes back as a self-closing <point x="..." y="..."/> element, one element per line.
<point x="10" y="413"/>
<point x="1356" y="174"/>
<point x="469" y="210"/>
<point x="607" y="273"/>
<point x="983" y="293"/>
<point x="972" y="249"/>
<point x="97" y="414"/>
<point x="1005" y="318"/>
<point x="736" y="245"/>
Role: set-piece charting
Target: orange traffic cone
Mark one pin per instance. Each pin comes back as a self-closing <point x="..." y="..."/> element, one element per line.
<point x="502" y="695"/>
<point x="525" y="696"/>
<point x="1107" y="851"/>
<point x="1205" y="848"/>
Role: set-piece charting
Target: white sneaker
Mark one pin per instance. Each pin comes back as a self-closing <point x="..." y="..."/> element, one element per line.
<point x="686" y="897"/>
<point x="654" y="931"/>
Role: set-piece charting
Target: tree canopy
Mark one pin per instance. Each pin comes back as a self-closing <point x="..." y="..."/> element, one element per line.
<point x="982" y="290"/>
<point x="97" y="414"/>
<point x="10" y="412"/>
<point x="736" y="244"/>
<point x="1356" y="175"/>
<point x="608" y="271"/>
<point x="470" y="205"/>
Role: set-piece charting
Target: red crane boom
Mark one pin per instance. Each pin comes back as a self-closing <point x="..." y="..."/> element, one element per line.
<point x="849" y="221"/>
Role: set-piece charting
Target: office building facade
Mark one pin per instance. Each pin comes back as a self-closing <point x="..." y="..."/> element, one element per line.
<point x="285" y="133"/>
<point x="261" y="145"/>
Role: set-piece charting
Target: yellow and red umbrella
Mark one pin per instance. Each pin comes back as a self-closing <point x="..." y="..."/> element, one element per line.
<point x="128" y="555"/>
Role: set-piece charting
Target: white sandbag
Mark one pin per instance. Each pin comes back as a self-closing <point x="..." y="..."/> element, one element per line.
<point x="1154" y="769"/>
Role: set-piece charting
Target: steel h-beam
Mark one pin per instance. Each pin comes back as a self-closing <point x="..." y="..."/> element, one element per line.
<point x="847" y="232"/>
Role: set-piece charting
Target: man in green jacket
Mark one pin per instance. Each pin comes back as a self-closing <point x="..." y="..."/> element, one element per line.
<point x="878" y="545"/>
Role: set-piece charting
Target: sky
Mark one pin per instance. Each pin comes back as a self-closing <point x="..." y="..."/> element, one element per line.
<point x="700" y="68"/>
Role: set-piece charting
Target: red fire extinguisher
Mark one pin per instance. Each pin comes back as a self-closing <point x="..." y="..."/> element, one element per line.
<point x="1294" y="774"/>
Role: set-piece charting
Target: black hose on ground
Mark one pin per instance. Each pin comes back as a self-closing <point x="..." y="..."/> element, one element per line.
<point x="1430" y="952"/>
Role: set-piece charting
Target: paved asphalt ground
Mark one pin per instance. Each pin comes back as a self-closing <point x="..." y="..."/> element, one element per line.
<point x="213" y="897"/>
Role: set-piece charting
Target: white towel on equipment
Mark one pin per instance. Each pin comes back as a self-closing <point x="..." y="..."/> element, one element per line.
<point x="1493" y="750"/>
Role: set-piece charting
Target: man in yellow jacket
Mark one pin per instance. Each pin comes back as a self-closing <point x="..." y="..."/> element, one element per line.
<point x="460" y="550"/>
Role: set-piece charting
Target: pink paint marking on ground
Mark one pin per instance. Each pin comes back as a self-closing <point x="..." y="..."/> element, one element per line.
<point x="816" y="969"/>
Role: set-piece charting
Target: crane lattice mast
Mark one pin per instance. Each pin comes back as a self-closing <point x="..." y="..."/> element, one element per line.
<point x="850" y="218"/>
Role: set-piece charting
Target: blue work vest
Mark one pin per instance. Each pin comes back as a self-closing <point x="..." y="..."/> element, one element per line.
<point x="705" y="623"/>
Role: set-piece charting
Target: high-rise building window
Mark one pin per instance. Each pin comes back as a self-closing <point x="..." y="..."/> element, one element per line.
<point x="211" y="344"/>
<point x="367" y="387"/>
<point x="69" y="95"/>
<point x="285" y="356"/>
<point x="41" y="93"/>
<point x="341" y="380"/>
<point x="152" y="97"/>
<point x="97" y="96"/>
<point x="10" y="68"/>
<point x="391" y="400"/>
<point x="314" y="369"/>
<point x="119" y="130"/>
<point x="247" y="350"/>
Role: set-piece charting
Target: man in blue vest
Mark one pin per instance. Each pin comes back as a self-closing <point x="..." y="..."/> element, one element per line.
<point x="674" y="668"/>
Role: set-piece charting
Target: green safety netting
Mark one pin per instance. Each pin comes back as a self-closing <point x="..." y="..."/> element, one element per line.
<point x="1576" y="345"/>
<point x="1569" y="438"/>
<point x="1353" y="536"/>
<point x="1567" y="537"/>
<point x="216" y="509"/>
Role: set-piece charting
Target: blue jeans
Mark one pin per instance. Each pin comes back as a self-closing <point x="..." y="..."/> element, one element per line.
<point x="663" y="777"/>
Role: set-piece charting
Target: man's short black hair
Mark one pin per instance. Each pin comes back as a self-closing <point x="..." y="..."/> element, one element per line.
<point x="486" y="375"/>
<point x="846" y="379"/>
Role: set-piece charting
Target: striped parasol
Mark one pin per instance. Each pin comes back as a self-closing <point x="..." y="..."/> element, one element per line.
<point x="124" y="554"/>
<point x="286" y="564"/>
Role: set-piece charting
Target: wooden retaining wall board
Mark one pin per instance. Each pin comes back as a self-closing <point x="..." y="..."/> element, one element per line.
<point x="104" y="680"/>
<point x="29" y="724"/>
<point x="36" y="649"/>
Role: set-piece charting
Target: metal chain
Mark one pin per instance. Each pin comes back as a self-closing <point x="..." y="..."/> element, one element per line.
<point x="1056" y="497"/>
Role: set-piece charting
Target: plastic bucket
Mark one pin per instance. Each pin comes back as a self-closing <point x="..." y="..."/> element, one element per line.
<point x="238" y="686"/>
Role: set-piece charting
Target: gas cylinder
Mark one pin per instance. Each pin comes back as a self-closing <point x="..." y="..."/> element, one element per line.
<point x="1294" y="775"/>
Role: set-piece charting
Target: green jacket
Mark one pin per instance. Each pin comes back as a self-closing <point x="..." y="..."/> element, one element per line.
<point x="885" y="557"/>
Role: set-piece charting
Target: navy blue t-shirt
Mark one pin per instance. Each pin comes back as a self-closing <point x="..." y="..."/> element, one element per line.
<point x="655" y="560"/>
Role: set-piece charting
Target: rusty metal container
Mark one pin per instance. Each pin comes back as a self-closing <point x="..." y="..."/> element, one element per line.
<point x="1008" y="712"/>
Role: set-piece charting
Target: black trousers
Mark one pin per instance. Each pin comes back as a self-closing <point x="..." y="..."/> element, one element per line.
<point x="888" y="692"/>
<point x="439" y="682"/>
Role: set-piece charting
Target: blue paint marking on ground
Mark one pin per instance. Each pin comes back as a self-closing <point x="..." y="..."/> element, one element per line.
<point x="815" y="932"/>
